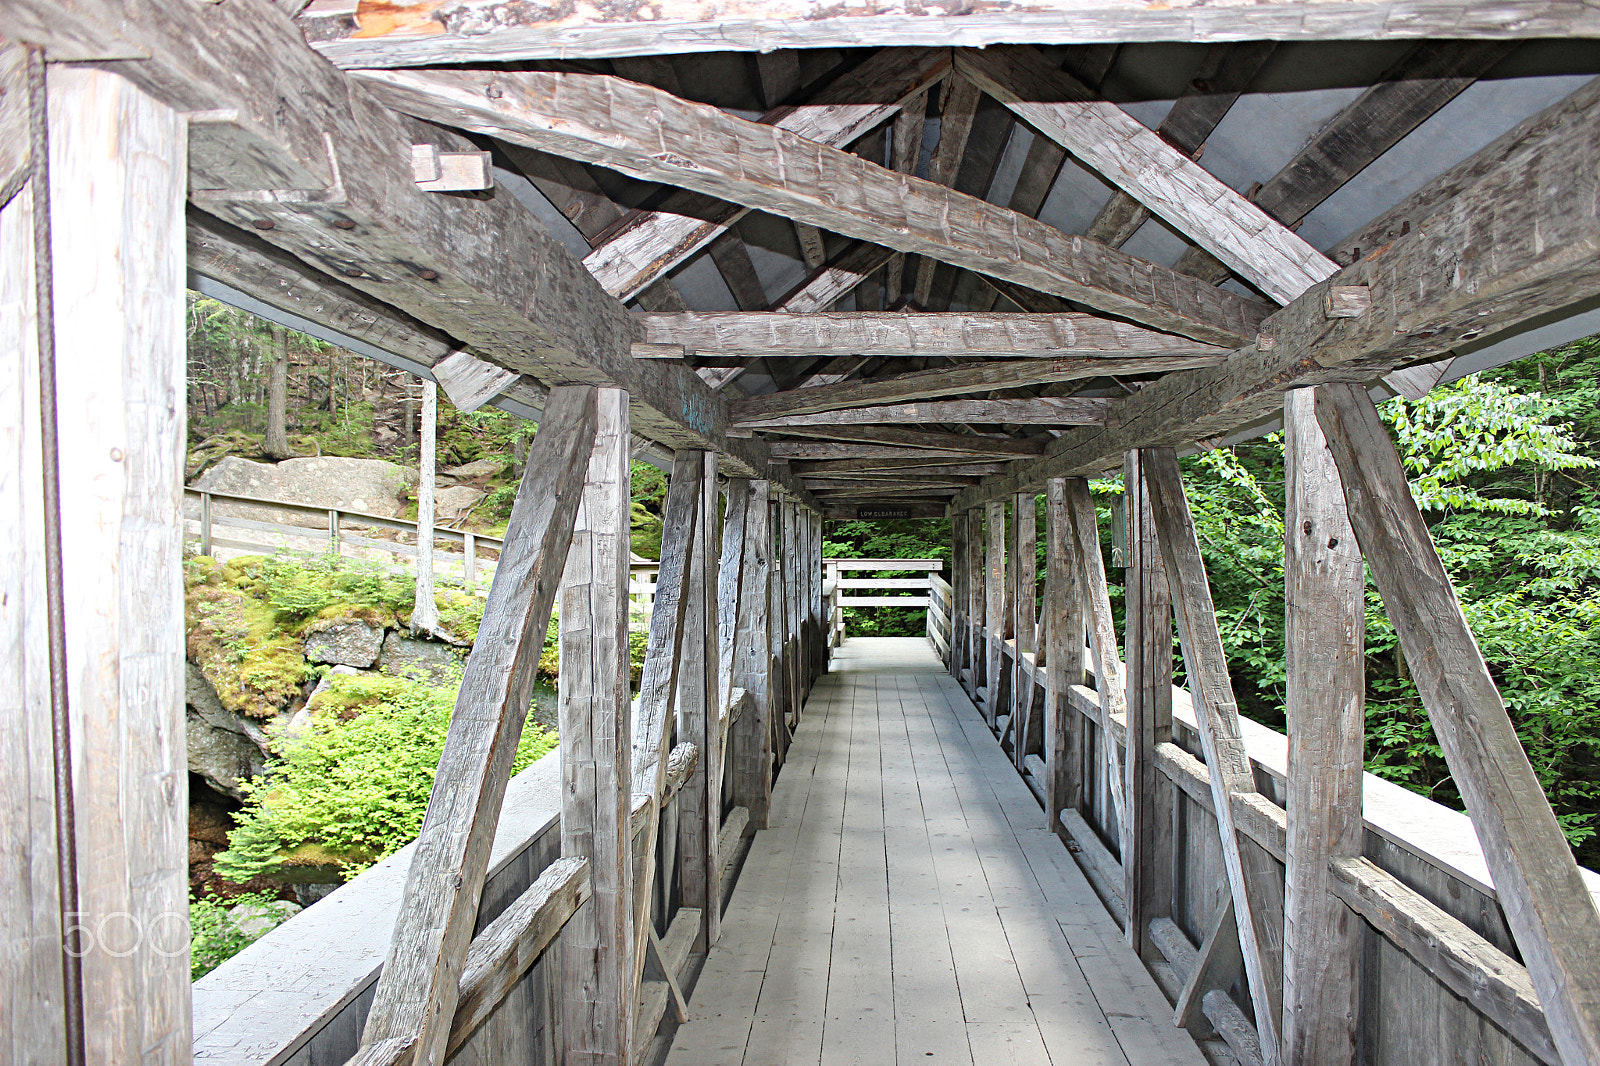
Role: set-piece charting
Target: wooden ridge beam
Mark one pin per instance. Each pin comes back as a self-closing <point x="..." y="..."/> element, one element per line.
<point x="816" y="484"/>
<point x="988" y="335"/>
<point x="874" y="467"/>
<point x="1489" y="257"/>
<point x="1423" y="81"/>
<point x="1040" y="410"/>
<point x="799" y="449"/>
<point x="913" y="439"/>
<point x="652" y="135"/>
<point x="498" y="31"/>
<point x="953" y="381"/>
<point x="1129" y="154"/>
<point x="645" y="245"/>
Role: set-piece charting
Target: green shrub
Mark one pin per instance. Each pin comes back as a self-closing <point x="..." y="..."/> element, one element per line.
<point x="214" y="935"/>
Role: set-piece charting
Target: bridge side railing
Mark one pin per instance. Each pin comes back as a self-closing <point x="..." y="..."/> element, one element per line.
<point x="841" y="591"/>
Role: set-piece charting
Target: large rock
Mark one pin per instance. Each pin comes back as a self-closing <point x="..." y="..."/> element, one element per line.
<point x="350" y="642"/>
<point x="224" y="748"/>
<point x="476" y="468"/>
<point x="418" y="658"/>
<point x="452" y="504"/>
<point x="369" y="486"/>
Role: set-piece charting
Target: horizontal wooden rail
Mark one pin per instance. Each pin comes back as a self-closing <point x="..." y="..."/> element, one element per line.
<point x="884" y="564"/>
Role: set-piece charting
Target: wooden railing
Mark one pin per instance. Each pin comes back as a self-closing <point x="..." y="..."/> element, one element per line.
<point x="841" y="592"/>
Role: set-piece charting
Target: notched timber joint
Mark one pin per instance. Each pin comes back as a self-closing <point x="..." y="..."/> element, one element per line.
<point x="1346" y="301"/>
<point x="436" y="171"/>
<point x="333" y="195"/>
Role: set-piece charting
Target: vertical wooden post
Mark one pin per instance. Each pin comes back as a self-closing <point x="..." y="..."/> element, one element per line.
<point x="700" y="722"/>
<point x="1109" y="673"/>
<point x="732" y="579"/>
<point x="777" y="688"/>
<point x="1064" y="634"/>
<point x="333" y="528"/>
<point x="750" y="745"/>
<point x="1253" y="876"/>
<point x="1325" y="621"/>
<point x="469" y="563"/>
<point x="831" y="609"/>
<point x="794" y="575"/>
<point x="995" y="610"/>
<point x="1027" y="729"/>
<point x="205" y="523"/>
<point x="1147" y="846"/>
<point x="976" y="654"/>
<point x="958" y="588"/>
<point x="1546" y="902"/>
<point x="596" y="735"/>
<point x="425" y="611"/>
<point x="116" y="190"/>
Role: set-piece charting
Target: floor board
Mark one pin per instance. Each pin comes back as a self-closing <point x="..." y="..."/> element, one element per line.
<point x="906" y="905"/>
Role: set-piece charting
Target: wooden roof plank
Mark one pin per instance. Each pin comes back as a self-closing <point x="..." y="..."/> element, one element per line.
<point x="1040" y="410"/>
<point x="654" y="135"/>
<point x="929" y="439"/>
<point x="1129" y="154"/>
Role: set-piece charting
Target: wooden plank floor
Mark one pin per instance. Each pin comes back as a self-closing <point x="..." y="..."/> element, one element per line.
<point x="907" y="904"/>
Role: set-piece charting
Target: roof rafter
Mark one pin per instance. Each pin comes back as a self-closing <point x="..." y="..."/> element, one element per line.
<point x="1132" y="156"/>
<point x="1492" y="257"/>
<point x="971" y="443"/>
<point x="1039" y="410"/>
<point x="654" y="135"/>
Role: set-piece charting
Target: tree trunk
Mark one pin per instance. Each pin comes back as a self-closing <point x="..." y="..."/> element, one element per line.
<point x="425" y="614"/>
<point x="277" y="446"/>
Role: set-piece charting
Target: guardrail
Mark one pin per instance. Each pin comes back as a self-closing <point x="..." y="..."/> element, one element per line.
<point x="836" y="589"/>
<point x="461" y="557"/>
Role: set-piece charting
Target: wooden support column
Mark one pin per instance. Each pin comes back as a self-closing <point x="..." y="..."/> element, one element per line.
<point x="1325" y="623"/>
<point x="778" y="687"/>
<point x="750" y="743"/>
<point x="958" y="593"/>
<point x="1546" y="903"/>
<point x="1027" y="728"/>
<point x="116" y="190"/>
<point x="1253" y="876"/>
<point x="1147" y="843"/>
<point x="1109" y="674"/>
<point x="1063" y="615"/>
<point x="977" y="654"/>
<point x="597" y="967"/>
<point x="700" y="719"/>
<point x="994" y="611"/>
<point x="793" y="576"/>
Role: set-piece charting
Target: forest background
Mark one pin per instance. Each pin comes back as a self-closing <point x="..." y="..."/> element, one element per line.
<point x="1506" y="466"/>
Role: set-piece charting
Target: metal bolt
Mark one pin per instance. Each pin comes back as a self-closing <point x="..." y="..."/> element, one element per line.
<point x="352" y="272"/>
<point x="429" y="275"/>
<point x="263" y="223"/>
<point x="343" y="223"/>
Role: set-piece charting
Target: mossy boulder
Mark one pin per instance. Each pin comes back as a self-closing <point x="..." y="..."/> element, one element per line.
<point x="344" y="642"/>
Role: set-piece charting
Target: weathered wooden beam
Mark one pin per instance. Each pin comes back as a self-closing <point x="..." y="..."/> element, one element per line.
<point x="1110" y="675"/>
<point x="497" y="31"/>
<point x="1038" y="411"/>
<point x="1224" y="73"/>
<point x="607" y="121"/>
<point x="416" y="996"/>
<point x="958" y="107"/>
<point x="922" y="439"/>
<point x="1161" y="177"/>
<point x="1254" y="880"/>
<point x="828" y="285"/>
<point x="846" y="450"/>
<point x="989" y="336"/>
<point x="994" y="587"/>
<point x="1423" y="81"/>
<point x="1064" y="617"/>
<point x="1148" y="830"/>
<point x="471" y="382"/>
<point x="1325" y="612"/>
<point x="905" y="148"/>
<point x="1495" y="984"/>
<point x="1027" y="728"/>
<point x="1536" y="879"/>
<point x="821" y="483"/>
<point x="750" y="740"/>
<point x="649" y="244"/>
<point x="597" y="982"/>
<point x="876" y="467"/>
<point x="16" y="155"/>
<point x="699" y="713"/>
<point x="1491" y="258"/>
<point x="950" y="381"/>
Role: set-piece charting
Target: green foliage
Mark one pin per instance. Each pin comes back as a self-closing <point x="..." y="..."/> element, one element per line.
<point x="647" y="507"/>
<point x="912" y="538"/>
<point x="356" y="784"/>
<point x="214" y="933"/>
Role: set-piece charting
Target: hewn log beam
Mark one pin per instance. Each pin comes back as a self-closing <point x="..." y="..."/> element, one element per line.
<point x="1132" y="156"/>
<point x="987" y="336"/>
<point x="1041" y="410"/>
<point x="646" y="245"/>
<point x="497" y="31"/>
<point x="836" y="450"/>
<point x="652" y="135"/>
<point x="917" y="439"/>
<point x="953" y="381"/>
<point x="1492" y="257"/>
<point x="879" y="468"/>
<point x="958" y="107"/>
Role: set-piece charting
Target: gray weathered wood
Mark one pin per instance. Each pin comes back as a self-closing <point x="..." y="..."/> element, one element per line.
<point x="1494" y="258"/>
<point x="905" y="146"/>
<point x="115" y="192"/>
<point x="1217" y="966"/>
<point x="1546" y="904"/>
<point x="990" y="335"/>
<point x="958" y="107"/>
<point x="607" y="121"/>
<point x="417" y="994"/>
<point x="471" y="382"/>
<point x="598" y="995"/>
<point x="1161" y="177"/>
<point x="851" y="450"/>
<point x="1110" y="677"/>
<point x="658" y="679"/>
<point x="913" y="442"/>
<point x="1493" y="982"/>
<point x="1325" y="615"/>
<point x="1064" y="621"/>
<point x="994" y="583"/>
<point x="1148" y="829"/>
<point x="497" y="31"/>
<point x="829" y="284"/>
<point x="1026" y="727"/>
<point x="1254" y="880"/>
<point x="700" y="721"/>
<point x="425" y="609"/>
<point x="16" y="154"/>
<point x="1039" y="410"/>
<point x="750" y="742"/>
<point x="952" y="381"/>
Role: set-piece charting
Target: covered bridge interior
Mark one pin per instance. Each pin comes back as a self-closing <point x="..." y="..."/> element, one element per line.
<point x="819" y="262"/>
